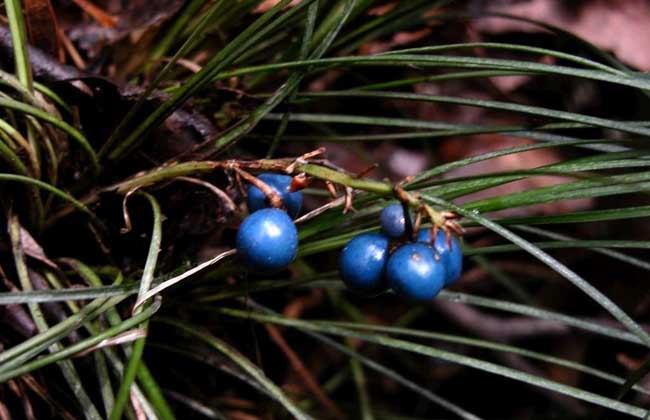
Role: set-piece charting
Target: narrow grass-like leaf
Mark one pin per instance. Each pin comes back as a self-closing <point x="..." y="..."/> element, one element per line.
<point x="89" y="342"/>
<point x="448" y="130"/>
<point x="58" y="123"/>
<point x="457" y="75"/>
<point x="554" y="264"/>
<point x="243" y="363"/>
<point x="396" y="59"/>
<point x="9" y="156"/>
<point x="104" y="380"/>
<point x="450" y="357"/>
<point x="490" y="345"/>
<point x="540" y="313"/>
<point x="310" y="24"/>
<point x="594" y="245"/>
<point x="171" y="35"/>
<point x="64" y="295"/>
<point x="261" y="28"/>
<point x="600" y="187"/>
<point x="365" y="407"/>
<point x="404" y="16"/>
<point x="604" y="56"/>
<point x="563" y="244"/>
<point x="516" y="308"/>
<point x="145" y="283"/>
<point x="17" y="355"/>
<point x="191" y="41"/>
<point x="19" y="41"/>
<point x="288" y="88"/>
<point x="389" y="373"/>
<point x="67" y="367"/>
<point x="514" y="47"/>
<point x="489" y="104"/>
<point x="154" y="393"/>
<point x="622" y="213"/>
<point x="149" y="384"/>
<point x="47" y="187"/>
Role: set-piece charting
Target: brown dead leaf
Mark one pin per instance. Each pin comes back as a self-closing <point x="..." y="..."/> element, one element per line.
<point x="134" y="17"/>
<point x="620" y="26"/>
<point x="16" y="317"/>
<point x="38" y="389"/>
<point x="33" y="249"/>
<point x="382" y="9"/>
<point x="630" y="363"/>
<point x="400" y="39"/>
<point x="42" y="27"/>
<point x="267" y="5"/>
<point x="4" y="412"/>
<point x="16" y="386"/>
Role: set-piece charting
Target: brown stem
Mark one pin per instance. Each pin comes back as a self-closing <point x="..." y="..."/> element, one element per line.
<point x="304" y="373"/>
<point x="271" y="194"/>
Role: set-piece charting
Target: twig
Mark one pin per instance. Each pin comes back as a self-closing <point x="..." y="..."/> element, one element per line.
<point x="302" y="371"/>
<point x="72" y="50"/>
<point x="230" y="205"/>
<point x="271" y="194"/>
<point x="103" y="18"/>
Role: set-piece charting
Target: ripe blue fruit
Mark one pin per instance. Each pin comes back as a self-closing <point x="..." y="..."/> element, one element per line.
<point x="280" y="183"/>
<point x="414" y="273"/>
<point x="393" y="223"/>
<point x="267" y="240"/>
<point x="363" y="261"/>
<point x="452" y="258"/>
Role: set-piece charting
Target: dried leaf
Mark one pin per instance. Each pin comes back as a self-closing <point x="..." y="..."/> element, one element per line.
<point x="42" y="27"/>
<point x="135" y="17"/>
<point x="123" y="338"/>
<point x="620" y="26"/>
<point x="33" y="249"/>
<point x="267" y="5"/>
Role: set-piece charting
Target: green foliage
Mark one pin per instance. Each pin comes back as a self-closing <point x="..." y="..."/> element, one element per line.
<point x="273" y="56"/>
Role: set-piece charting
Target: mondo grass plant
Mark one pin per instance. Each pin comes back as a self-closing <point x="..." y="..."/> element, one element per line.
<point x="124" y="295"/>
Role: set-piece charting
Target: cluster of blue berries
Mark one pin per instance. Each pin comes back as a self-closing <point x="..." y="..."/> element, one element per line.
<point x="415" y="270"/>
<point x="267" y="239"/>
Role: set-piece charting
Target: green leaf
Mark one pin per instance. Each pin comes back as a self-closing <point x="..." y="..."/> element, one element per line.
<point x="447" y="356"/>
<point x="243" y="363"/>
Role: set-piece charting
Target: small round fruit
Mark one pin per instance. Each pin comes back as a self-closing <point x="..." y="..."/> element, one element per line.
<point x="414" y="273"/>
<point x="267" y="240"/>
<point x="393" y="223"/>
<point x="363" y="261"/>
<point x="280" y="183"/>
<point x="452" y="258"/>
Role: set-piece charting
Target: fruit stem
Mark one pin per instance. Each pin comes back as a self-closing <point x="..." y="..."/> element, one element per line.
<point x="275" y="200"/>
<point x="404" y="198"/>
<point x="320" y="169"/>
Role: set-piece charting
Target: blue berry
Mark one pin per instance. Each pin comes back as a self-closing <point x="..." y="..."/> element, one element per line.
<point x="267" y="240"/>
<point x="393" y="223"/>
<point x="452" y="258"/>
<point x="414" y="273"/>
<point x="280" y="183"/>
<point x="363" y="261"/>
